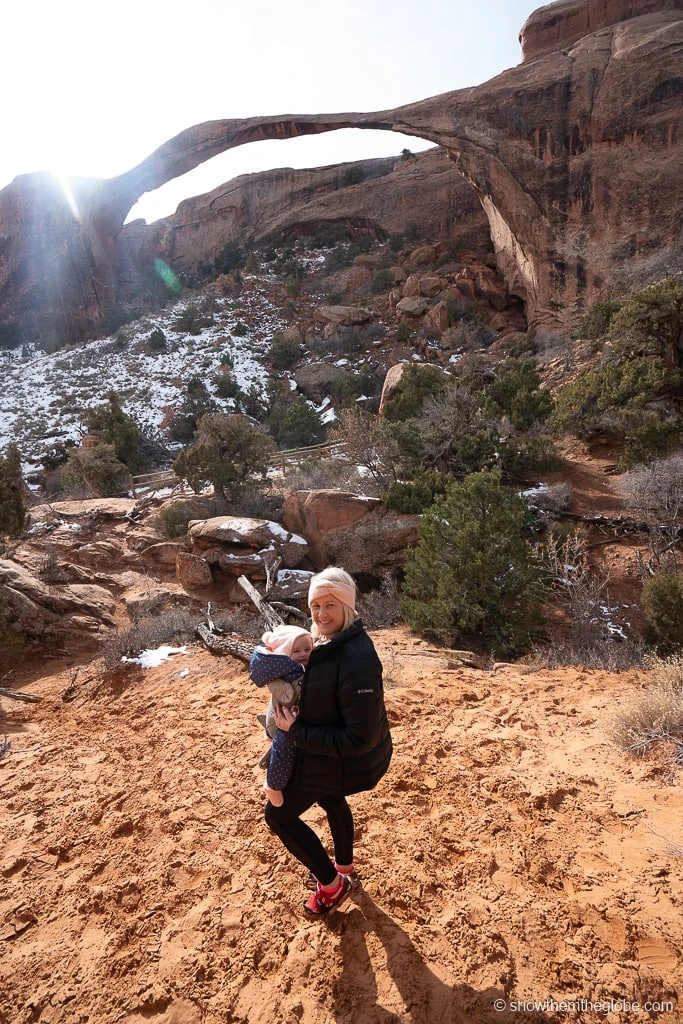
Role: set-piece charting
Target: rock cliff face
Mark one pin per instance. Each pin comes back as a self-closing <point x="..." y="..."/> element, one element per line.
<point x="574" y="156"/>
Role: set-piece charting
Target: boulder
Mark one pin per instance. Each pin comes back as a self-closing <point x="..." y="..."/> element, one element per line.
<point x="316" y="513"/>
<point x="344" y="316"/>
<point x="43" y="608"/>
<point x="291" y="586"/>
<point x="412" y="306"/>
<point x="315" y="380"/>
<point x="411" y="286"/>
<point x="193" y="572"/>
<point x="391" y="385"/>
<point x="436" y="319"/>
<point x="430" y="286"/>
<point x="374" y="545"/>
<point x="255" y="534"/>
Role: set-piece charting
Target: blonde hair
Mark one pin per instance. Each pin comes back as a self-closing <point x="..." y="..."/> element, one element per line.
<point x="341" y="586"/>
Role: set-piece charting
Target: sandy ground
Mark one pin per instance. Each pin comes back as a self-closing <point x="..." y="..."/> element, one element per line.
<point x="512" y="854"/>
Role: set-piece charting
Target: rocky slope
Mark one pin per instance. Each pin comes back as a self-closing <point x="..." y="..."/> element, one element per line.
<point x="574" y="155"/>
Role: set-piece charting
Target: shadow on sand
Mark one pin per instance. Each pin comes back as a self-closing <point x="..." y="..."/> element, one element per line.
<point x="426" y="999"/>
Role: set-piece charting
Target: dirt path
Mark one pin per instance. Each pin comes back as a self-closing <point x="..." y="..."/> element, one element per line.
<point x="511" y="854"/>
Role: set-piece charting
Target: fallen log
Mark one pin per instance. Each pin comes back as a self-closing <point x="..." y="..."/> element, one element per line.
<point x="29" y="698"/>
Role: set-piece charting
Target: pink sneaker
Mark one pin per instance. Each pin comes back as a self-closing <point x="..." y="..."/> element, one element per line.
<point x="321" y="903"/>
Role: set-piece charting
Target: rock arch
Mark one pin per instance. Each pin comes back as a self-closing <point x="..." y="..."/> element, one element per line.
<point x="575" y="155"/>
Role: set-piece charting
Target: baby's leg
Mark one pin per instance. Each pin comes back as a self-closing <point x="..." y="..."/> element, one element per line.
<point x="280" y="767"/>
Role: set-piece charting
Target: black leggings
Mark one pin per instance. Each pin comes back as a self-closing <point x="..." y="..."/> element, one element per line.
<point x="302" y="841"/>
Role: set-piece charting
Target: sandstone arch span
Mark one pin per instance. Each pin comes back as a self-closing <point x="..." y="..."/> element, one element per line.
<point x="575" y="155"/>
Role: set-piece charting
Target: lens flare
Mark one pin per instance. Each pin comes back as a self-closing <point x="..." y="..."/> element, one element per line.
<point x="65" y="184"/>
<point x="167" y="275"/>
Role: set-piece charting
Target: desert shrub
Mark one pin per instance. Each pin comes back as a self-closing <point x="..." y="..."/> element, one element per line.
<point x="613" y="655"/>
<point x="610" y="398"/>
<point x="655" y="715"/>
<point x="515" y="391"/>
<point x="314" y="474"/>
<point x="191" y="320"/>
<point x="172" y="625"/>
<point x="416" y="383"/>
<point x="348" y="389"/>
<point x="298" y="426"/>
<point x="396" y="242"/>
<point x="595" y="324"/>
<point x="173" y="520"/>
<point x="327" y="235"/>
<point x="381" y="608"/>
<point x="651" y="438"/>
<point x="156" y="341"/>
<point x="13" y="504"/>
<point x="650" y="322"/>
<point x="414" y="497"/>
<point x="382" y="281"/>
<point x="655" y="493"/>
<point x="229" y="451"/>
<point x="95" y="472"/>
<point x="284" y="352"/>
<point x="367" y="441"/>
<point x="227" y="387"/>
<point x="57" y="455"/>
<point x="662" y="604"/>
<point x="353" y="175"/>
<point x="230" y="258"/>
<point x="112" y="425"/>
<point x="404" y="330"/>
<point x="472" y="578"/>
<point x="580" y="593"/>
<point x="196" y="403"/>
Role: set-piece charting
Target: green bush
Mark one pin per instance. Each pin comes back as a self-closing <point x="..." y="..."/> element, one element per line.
<point x="382" y="280"/>
<point x="229" y="452"/>
<point x="13" y="506"/>
<point x="112" y="425"/>
<point x="284" y="352"/>
<point x="353" y="175"/>
<point x="609" y="397"/>
<point x="174" y="519"/>
<point x="652" y="438"/>
<point x="348" y="389"/>
<point x="156" y="342"/>
<point x="662" y="604"/>
<point x="597" y="320"/>
<point x="651" y="322"/>
<point x="196" y="403"/>
<point x="416" y="384"/>
<point x="191" y="320"/>
<point x="514" y="390"/>
<point x="240" y="329"/>
<point x="95" y="472"/>
<point x="413" y="498"/>
<point x="298" y="426"/>
<point x="472" y="579"/>
<point x="231" y="257"/>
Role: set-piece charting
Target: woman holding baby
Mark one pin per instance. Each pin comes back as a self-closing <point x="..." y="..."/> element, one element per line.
<point x="341" y="737"/>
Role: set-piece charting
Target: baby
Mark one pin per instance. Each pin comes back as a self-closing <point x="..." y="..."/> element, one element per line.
<point x="279" y="663"/>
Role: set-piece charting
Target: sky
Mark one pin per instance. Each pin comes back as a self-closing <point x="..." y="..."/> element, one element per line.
<point x="92" y="89"/>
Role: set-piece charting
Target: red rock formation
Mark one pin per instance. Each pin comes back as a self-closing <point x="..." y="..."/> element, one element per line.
<point x="575" y="156"/>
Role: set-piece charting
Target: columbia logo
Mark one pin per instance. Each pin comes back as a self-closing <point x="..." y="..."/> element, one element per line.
<point x="365" y="691"/>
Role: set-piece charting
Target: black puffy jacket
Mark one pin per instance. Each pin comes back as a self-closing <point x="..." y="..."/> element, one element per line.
<point x="342" y="733"/>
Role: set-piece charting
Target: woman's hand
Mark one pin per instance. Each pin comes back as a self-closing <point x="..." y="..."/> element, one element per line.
<point x="284" y="717"/>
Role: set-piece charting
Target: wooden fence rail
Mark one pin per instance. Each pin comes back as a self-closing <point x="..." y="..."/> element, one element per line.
<point x="280" y="460"/>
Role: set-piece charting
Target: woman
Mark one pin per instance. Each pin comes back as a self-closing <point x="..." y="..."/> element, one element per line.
<point x="341" y="735"/>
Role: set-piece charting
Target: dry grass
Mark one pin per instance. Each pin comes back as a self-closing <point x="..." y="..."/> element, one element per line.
<point x="654" y="716"/>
